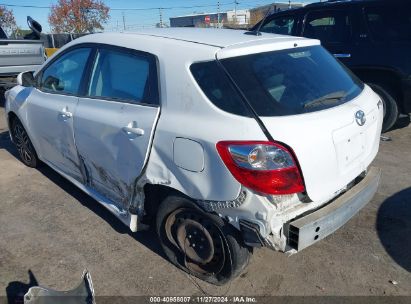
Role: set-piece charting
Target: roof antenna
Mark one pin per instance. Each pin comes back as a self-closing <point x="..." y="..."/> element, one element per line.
<point x="256" y="32"/>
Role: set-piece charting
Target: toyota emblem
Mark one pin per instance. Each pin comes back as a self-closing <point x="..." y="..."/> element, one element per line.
<point x="360" y="118"/>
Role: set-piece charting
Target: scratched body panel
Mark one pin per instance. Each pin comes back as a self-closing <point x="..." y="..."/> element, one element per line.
<point x="113" y="158"/>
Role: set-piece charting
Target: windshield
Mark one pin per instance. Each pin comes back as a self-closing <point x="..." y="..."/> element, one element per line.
<point x="293" y="81"/>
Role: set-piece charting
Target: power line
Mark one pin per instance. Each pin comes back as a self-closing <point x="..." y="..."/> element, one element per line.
<point x="123" y="9"/>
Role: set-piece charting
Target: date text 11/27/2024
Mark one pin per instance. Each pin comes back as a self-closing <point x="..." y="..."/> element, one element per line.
<point x="204" y="299"/>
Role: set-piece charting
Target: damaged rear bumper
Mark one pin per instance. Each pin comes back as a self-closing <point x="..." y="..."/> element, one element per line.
<point x="317" y="225"/>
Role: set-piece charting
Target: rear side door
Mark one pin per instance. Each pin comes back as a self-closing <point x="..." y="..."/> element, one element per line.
<point x="116" y="119"/>
<point x="334" y="29"/>
<point x="51" y="110"/>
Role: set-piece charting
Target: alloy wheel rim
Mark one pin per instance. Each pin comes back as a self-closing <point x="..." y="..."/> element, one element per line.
<point x="23" y="144"/>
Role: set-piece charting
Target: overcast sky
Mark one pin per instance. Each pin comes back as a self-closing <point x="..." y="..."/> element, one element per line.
<point x="134" y="19"/>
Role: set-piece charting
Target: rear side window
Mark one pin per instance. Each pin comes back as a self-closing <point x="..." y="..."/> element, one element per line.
<point x="217" y="87"/>
<point x="280" y="25"/>
<point x="328" y="26"/>
<point x="124" y="76"/>
<point x="391" y="23"/>
<point x="293" y="81"/>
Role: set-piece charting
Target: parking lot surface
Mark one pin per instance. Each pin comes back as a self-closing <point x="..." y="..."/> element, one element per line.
<point x="50" y="231"/>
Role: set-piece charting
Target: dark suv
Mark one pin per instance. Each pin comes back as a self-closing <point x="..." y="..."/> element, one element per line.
<point x="371" y="37"/>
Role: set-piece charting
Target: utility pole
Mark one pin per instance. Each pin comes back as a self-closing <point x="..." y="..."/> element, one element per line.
<point x="218" y="14"/>
<point x="124" y="21"/>
<point x="80" y="15"/>
<point x="235" y="11"/>
<point x="289" y="4"/>
<point x="161" y="16"/>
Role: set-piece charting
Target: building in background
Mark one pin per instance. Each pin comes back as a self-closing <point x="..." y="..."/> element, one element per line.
<point x="199" y="20"/>
<point x="258" y="13"/>
<point x="240" y="19"/>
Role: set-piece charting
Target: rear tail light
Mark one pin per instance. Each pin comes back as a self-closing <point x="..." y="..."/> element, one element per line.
<point x="262" y="166"/>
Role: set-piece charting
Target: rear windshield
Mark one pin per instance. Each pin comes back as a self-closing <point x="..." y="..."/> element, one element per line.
<point x="279" y="83"/>
<point x="293" y="81"/>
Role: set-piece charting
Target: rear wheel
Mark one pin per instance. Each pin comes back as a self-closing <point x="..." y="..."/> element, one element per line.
<point x="23" y="144"/>
<point x="390" y="106"/>
<point x="200" y="243"/>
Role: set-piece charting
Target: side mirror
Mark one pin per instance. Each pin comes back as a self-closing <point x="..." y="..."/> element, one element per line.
<point x="26" y="79"/>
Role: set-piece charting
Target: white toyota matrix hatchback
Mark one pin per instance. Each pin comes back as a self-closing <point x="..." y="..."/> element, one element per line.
<point x="223" y="140"/>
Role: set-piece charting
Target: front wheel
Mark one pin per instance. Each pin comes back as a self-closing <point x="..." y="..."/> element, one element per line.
<point x="23" y="144"/>
<point x="200" y="243"/>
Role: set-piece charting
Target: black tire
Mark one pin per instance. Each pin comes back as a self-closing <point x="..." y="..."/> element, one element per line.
<point x="23" y="144"/>
<point x="225" y="241"/>
<point x="391" y="112"/>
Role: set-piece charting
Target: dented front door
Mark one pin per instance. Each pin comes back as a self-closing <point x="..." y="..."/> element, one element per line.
<point x="115" y="122"/>
<point x="51" y="122"/>
<point x="51" y="110"/>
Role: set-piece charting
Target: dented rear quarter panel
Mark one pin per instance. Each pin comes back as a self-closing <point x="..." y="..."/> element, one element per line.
<point x="187" y="113"/>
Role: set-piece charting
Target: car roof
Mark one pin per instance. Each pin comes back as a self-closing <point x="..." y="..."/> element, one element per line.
<point x="194" y="44"/>
<point x="332" y="3"/>
<point x="220" y="38"/>
<point x="346" y="2"/>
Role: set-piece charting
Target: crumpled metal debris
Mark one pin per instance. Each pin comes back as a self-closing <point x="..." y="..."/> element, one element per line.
<point x="82" y="294"/>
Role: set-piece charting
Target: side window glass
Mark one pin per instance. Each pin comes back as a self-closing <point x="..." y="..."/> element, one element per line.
<point x="389" y="24"/>
<point x="329" y="27"/>
<point x="65" y="74"/>
<point x="124" y="76"/>
<point x="217" y="87"/>
<point x="280" y="25"/>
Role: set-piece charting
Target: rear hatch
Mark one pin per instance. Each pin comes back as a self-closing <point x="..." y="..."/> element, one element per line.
<point x="21" y="52"/>
<point x="310" y="102"/>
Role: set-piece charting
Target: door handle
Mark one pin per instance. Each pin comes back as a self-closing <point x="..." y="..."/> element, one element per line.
<point x="65" y="114"/>
<point x="342" y="55"/>
<point x="131" y="130"/>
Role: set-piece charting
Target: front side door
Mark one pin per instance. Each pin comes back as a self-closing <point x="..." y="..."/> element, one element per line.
<point x="115" y="121"/>
<point x="334" y="29"/>
<point x="51" y="110"/>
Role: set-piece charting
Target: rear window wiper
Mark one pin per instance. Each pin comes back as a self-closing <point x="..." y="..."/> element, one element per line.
<point x="326" y="99"/>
